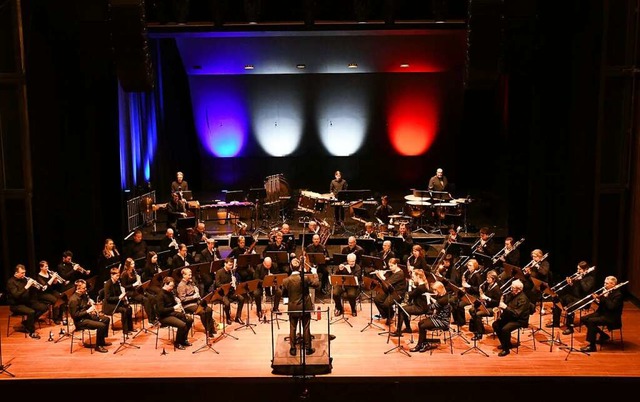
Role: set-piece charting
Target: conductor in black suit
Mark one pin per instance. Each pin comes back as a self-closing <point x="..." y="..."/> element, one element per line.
<point x="298" y="298"/>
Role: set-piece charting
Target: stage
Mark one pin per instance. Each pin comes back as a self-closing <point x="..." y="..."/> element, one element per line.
<point x="360" y="368"/>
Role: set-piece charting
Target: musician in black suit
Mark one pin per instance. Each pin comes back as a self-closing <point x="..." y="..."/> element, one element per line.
<point x="321" y="269"/>
<point x="353" y="248"/>
<point x="351" y="292"/>
<point x="404" y="249"/>
<point x="115" y="301"/>
<point x="383" y="210"/>
<point x="108" y="258"/>
<point x="136" y="249"/>
<point x="179" y="184"/>
<point x="267" y="267"/>
<point x="471" y="281"/>
<point x="338" y="184"/>
<point x="245" y="272"/>
<point x="170" y="313"/>
<point x="486" y="246"/>
<point x="386" y="254"/>
<point x="609" y="312"/>
<point x="276" y="245"/>
<point x="490" y="295"/>
<point x="299" y="299"/>
<point x="289" y="239"/>
<point x="176" y="209"/>
<point x="85" y="316"/>
<point x="395" y="286"/>
<point x="180" y="260"/>
<point x="438" y="182"/>
<point x="578" y="286"/>
<point x="22" y="295"/>
<point x="225" y="276"/>
<point x="71" y="271"/>
<point x="514" y="314"/>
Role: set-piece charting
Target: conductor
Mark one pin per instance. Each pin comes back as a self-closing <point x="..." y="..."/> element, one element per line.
<point x="298" y="298"/>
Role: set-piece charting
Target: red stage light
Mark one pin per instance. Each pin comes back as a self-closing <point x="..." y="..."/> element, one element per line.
<point x="413" y="123"/>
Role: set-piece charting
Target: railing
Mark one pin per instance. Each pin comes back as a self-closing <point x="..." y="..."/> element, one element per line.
<point x="136" y="216"/>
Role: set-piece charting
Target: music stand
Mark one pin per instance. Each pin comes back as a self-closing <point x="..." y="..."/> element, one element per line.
<point x="218" y="295"/>
<point x="216" y="265"/>
<point x="397" y="244"/>
<point x="306" y="238"/>
<point x="369" y="245"/>
<point x="66" y="295"/>
<point x="278" y="257"/>
<point x="572" y="310"/>
<point x="339" y="258"/>
<point x="399" y="347"/>
<point x="272" y="280"/>
<point x="233" y="195"/>
<point x="200" y="268"/>
<point x="185" y="223"/>
<point x="317" y="258"/>
<point x="142" y="289"/>
<point x="248" y="288"/>
<point x="207" y="345"/>
<point x="370" y="285"/>
<point x="246" y="260"/>
<point x="543" y="288"/>
<point x="479" y="306"/>
<point x="457" y="249"/>
<point x="342" y="280"/>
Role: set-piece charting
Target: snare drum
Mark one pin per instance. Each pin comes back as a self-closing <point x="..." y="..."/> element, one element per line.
<point x="415" y="209"/>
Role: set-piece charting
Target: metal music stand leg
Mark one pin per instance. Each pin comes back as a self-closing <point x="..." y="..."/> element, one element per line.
<point x="125" y="343"/>
<point x="370" y="323"/>
<point x="342" y="318"/>
<point x="570" y="348"/>
<point x="224" y="333"/>
<point x="207" y="345"/>
<point x="474" y="347"/>
<point x="400" y="346"/>
<point x="277" y="315"/>
<point x="460" y="335"/>
<point x="63" y="334"/>
<point x="4" y="367"/>
<point x="248" y="324"/>
<point x="540" y="329"/>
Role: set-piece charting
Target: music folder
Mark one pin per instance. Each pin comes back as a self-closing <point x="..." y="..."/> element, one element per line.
<point x="513" y="270"/>
<point x="273" y="280"/>
<point x="159" y="277"/>
<point x="216" y="265"/>
<point x="343" y="280"/>
<point x="200" y="268"/>
<point x="458" y="249"/>
<point x="339" y="258"/>
<point x="278" y="257"/>
<point x="369" y="261"/>
<point x="244" y="260"/>
<point x="316" y="258"/>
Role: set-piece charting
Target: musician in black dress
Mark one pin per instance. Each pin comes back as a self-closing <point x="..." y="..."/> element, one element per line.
<point x="577" y="286"/>
<point x="439" y="316"/>
<point x="131" y="283"/>
<point x="514" y="314"/>
<point x="115" y="301"/>
<point x="393" y="289"/>
<point x="350" y="292"/>
<point x="490" y="295"/>
<point x="53" y="286"/>
<point x="417" y="259"/>
<point x="321" y="269"/>
<point x="170" y="313"/>
<point x="85" y="316"/>
<point x="383" y="211"/>
<point x="416" y="301"/>
<point x="609" y="313"/>
<point x="539" y="269"/>
<point x="22" y="296"/>
<point x="226" y="276"/>
<point x="471" y="281"/>
<point x="338" y="184"/>
<point x="108" y="258"/>
<point x="151" y="268"/>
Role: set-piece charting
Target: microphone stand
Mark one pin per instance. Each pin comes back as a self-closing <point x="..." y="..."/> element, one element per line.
<point x="4" y="367"/>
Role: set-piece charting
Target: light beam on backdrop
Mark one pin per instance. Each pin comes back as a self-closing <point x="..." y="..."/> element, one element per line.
<point x="220" y="115"/>
<point x="343" y="115"/>
<point x="413" y="115"/>
<point x="276" y="116"/>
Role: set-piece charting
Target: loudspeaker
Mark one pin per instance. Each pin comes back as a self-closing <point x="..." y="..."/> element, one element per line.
<point x="134" y="66"/>
<point x="484" y="43"/>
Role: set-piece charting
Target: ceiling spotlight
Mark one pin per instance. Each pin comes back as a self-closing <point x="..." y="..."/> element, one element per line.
<point x="301" y="66"/>
<point x="404" y="65"/>
<point x="248" y="67"/>
<point x="352" y="65"/>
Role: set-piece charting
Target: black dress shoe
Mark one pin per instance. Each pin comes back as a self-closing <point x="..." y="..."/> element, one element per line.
<point x="407" y="330"/>
<point x="476" y="337"/>
<point x="550" y="325"/>
<point x="417" y="347"/>
<point x="590" y="348"/>
<point x="212" y="334"/>
<point x="229" y="322"/>
<point x="101" y="349"/>
<point x="395" y="333"/>
<point x="239" y="321"/>
<point x="292" y="351"/>
<point x="186" y="343"/>
<point x="337" y="313"/>
<point x="107" y="344"/>
<point x="504" y="352"/>
<point x="567" y="331"/>
<point x="426" y="346"/>
<point x="332" y="337"/>
<point x="603" y="338"/>
<point x="179" y="346"/>
<point x="354" y="313"/>
<point x="34" y="335"/>
<point x="310" y="351"/>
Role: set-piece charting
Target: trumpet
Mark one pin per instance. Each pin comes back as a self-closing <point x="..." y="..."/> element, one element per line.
<point x="78" y="268"/>
<point x="35" y="283"/>
<point x="58" y="278"/>
<point x="590" y="298"/>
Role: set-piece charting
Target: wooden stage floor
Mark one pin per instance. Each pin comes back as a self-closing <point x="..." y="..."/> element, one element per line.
<point x="359" y="362"/>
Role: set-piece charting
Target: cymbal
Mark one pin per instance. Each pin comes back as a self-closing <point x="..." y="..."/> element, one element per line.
<point x="423" y="203"/>
<point x="396" y="216"/>
<point x="412" y="197"/>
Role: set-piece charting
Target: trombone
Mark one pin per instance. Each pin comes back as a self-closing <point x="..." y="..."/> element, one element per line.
<point x="504" y="251"/>
<point x="585" y="301"/>
<point x="575" y="277"/>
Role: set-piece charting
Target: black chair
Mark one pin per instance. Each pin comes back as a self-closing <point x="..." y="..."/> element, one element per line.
<point x="170" y="334"/>
<point x="22" y="317"/>
<point x="610" y="329"/>
<point x="82" y="331"/>
<point x="529" y="327"/>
